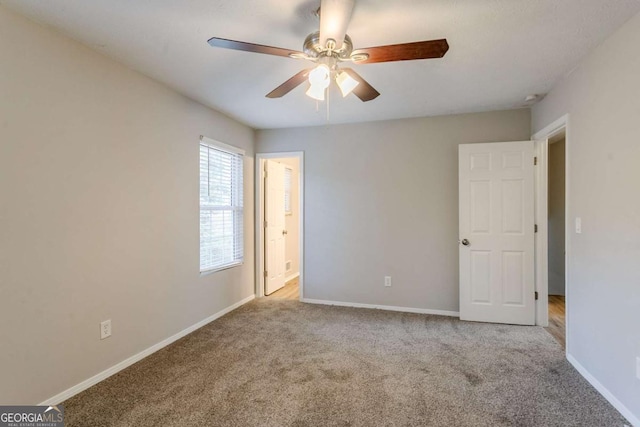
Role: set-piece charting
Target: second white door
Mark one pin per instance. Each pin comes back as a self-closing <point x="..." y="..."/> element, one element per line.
<point x="497" y="232"/>
<point x="274" y="227"/>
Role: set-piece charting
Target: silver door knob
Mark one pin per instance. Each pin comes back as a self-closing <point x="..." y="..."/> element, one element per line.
<point x="465" y="242"/>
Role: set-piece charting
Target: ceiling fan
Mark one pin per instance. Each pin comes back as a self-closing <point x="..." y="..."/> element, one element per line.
<point x="330" y="47"/>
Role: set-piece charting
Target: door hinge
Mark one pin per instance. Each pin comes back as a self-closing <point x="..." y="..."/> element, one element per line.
<point x="265" y="224"/>
<point x="265" y="173"/>
<point x="535" y="161"/>
<point x="266" y="274"/>
<point x="536" y="294"/>
<point x="535" y="228"/>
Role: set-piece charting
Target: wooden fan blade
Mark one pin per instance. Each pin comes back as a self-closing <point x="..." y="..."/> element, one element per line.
<point x="364" y="90"/>
<point x="251" y="47"/>
<point x="289" y="85"/>
<point x="404" y="51"/>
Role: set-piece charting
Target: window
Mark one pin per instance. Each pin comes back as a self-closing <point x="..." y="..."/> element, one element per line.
<point x="287" y="191"/>
<point x="221" y="206"/>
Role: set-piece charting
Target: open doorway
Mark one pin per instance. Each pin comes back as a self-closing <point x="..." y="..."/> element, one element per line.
<point x="279" y="219"/>
<point x="553" y="284"/>
<point x="556" y="221"/>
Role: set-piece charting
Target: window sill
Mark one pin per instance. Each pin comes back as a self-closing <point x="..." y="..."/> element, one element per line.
<point x="225" y="267"/>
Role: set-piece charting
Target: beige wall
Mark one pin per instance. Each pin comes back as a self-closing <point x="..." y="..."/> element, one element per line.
<point x="556" y="217"/>
<point x="382" y="199"/>
<point x="292" y="221"/>
<point x="602" y="99"/>
<point x="98" y="212"/>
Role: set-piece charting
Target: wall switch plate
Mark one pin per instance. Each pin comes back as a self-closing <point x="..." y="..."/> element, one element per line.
<point x="579" y="225"/>
<point x="387" y="281"/>
<point x="638" y="368"/>
<point x="105" y="329"/>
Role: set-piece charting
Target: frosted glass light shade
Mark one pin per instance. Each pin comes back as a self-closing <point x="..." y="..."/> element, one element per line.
<point x="346" y="83"/>
<point x="316" y="92"/>
<point x="320" y="76"/>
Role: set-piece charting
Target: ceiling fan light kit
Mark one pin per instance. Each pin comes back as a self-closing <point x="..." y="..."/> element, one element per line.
<point x="331" y="46"/>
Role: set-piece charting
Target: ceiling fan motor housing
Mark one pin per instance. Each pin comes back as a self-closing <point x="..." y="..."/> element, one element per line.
<point x="314" y="49"/>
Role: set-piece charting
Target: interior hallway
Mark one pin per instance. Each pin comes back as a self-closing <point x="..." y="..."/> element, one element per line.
<point x="557" y="327"/>
<point x="290" y="291"/>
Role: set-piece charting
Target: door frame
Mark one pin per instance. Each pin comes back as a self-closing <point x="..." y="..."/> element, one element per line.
<point x="259" y="203"/>
<point x="541" y="141"/>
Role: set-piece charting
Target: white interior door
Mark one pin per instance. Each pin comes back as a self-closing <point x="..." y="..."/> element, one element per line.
<point x="274" y="227"/>
<point x="497" y="232"/>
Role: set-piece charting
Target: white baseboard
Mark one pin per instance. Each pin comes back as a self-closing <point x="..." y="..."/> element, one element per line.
<point x="293" y="276"/>
<point x="635" y="421"/>
<point x="383" y="307"/>
<point x="61" y="397"/>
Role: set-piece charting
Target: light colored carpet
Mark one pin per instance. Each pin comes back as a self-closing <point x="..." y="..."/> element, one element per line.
<point x="284" y="363"/>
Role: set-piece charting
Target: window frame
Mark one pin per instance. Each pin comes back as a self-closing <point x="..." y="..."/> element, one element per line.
<point x="230" y="149"/>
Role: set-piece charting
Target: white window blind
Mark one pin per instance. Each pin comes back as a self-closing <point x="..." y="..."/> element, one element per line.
<point x="287" y="190"/>
<point x="221" y="207"/>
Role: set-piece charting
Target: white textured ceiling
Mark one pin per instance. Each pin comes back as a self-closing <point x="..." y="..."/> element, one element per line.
<point x="501" y="50"/>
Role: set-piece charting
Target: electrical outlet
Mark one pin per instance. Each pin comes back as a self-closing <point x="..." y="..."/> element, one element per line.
<point x="105" y="329"/>
<point x="579" y="225"/>
<point x="638" y="368"/>
<point x="387" y="281"/>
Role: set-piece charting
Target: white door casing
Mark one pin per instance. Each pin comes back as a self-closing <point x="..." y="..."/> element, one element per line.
<point x="496" y="190"/>
<point x="275" y="226"/>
